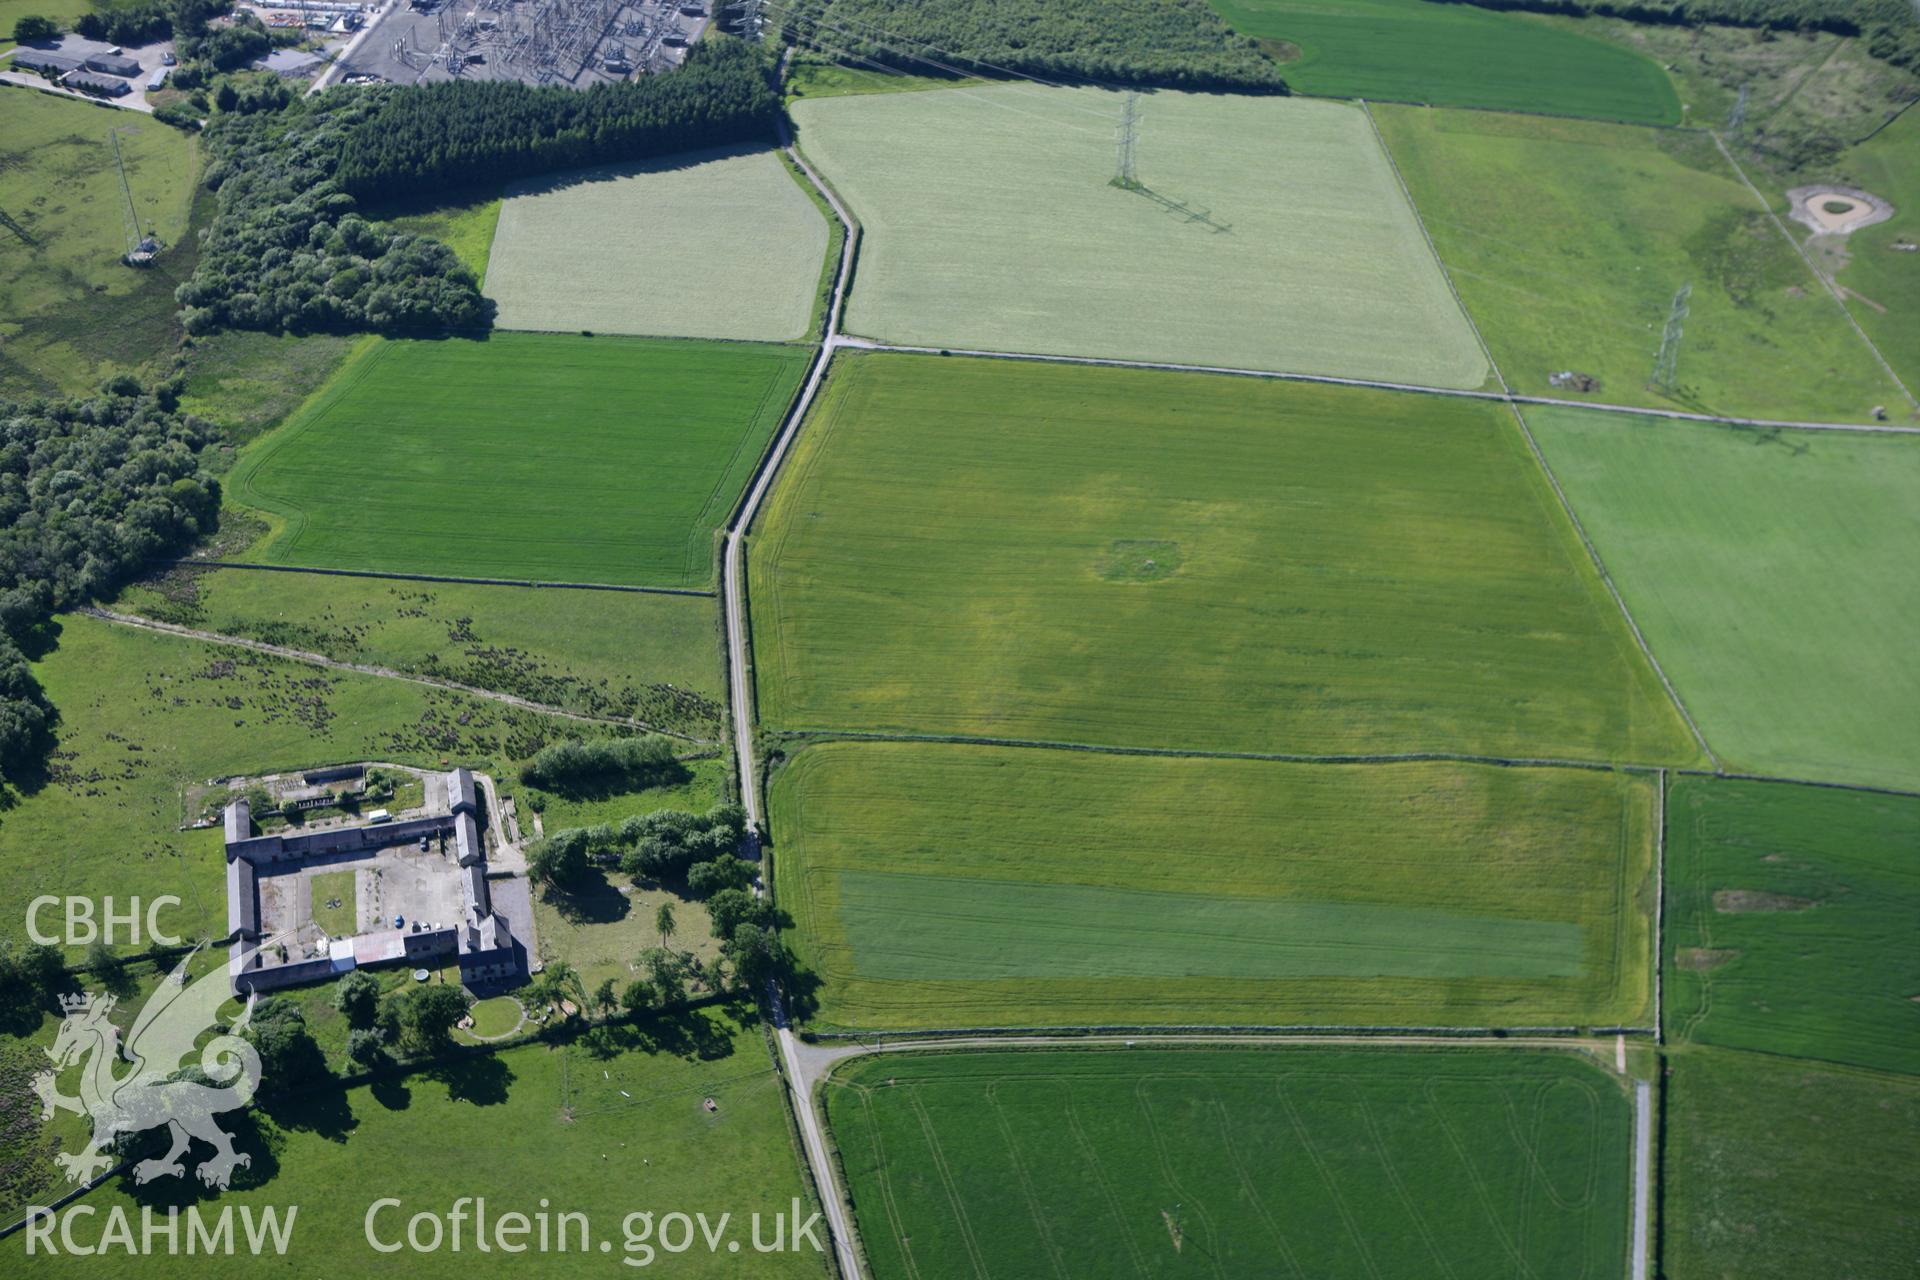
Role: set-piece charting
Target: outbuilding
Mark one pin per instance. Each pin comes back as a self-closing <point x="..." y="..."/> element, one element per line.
<point x="57" y="64"/>
<point x="113" y="64"/>
<point x="94" y="83"/>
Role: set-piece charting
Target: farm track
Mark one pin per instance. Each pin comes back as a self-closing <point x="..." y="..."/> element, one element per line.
<point x="1882" y="428"/>
<point x="385" y="673"/>
<point x="533" y="583"/>
<point x="1833" y="290"/>
<point x="1408" y="757"/>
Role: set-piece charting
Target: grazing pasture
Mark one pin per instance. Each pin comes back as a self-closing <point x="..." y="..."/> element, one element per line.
<point x="143" y="717"/>
<point x="70" y="313"/>
<point x="938" y="885"/>
<point x="534" y="1130"/>
<point x="1772" y="574"/>
<point x="1775" y="1169"/>
<point x="712" y="244"/>
<point x="1453" y="55"/>
<point x="1570" y="240"/>
<point x="1139" y="558"/>
<point x="1883" y="280"/>
<point x="652" y="657"/>
<point x="525" y="456"/>
<point x="991" y="223"/>
<point x="1790" y="921"/>
<point x="1315" y="1162"/>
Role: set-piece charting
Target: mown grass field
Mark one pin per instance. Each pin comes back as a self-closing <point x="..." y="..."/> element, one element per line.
<point x="1770" y="573"/>
<point x="990" y="224"/>
<point x="530" y="1129"/>
<point x="1775" y="1169"/>
<point x="525" y="456"/>
<point x="70" y="313"/>
<point x="709" y="244"/>
<point x="1883" y="281"/>
<point x="937" y="885"/>
<point x="602" y="931"/>
<point x="1452" y="55"/>
<point x="1178" y="560"/>
<point x="1790" y="921"/>
<point x="1240" y="1163"/>
<point x="1569" y="240"/>
<point x="143" y="716"/>
<point x="652" y="657"/>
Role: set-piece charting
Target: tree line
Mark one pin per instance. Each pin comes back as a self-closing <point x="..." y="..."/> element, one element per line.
<point x="290" y="249"/>
<point x="1891" y="27"/>
<point x="470" y="133"/>
<point x="91" y="489"/>
<point x="1177" y="44"/>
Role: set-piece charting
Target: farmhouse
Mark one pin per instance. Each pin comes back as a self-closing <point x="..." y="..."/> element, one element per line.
<point x="428" y="873"/>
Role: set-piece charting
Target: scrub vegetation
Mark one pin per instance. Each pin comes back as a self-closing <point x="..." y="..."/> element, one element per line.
<point x="1569" y="242"/>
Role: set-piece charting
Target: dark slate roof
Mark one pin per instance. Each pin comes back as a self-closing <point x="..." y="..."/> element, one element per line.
<point x="243" y="900"/>
<point x="40" y="60"/>
<point x="113" y="64"/>
<point x="89" y="80"/>
<point x="460" y="793"/>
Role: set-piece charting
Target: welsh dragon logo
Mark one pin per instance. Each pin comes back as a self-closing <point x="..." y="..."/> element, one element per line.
<point x="155" y="1091"/>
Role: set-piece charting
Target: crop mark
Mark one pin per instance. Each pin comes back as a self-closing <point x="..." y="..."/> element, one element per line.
<point x="1212" y="1252"/>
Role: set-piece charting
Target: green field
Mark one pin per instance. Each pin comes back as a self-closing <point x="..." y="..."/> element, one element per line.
<point x="524" y="456"/>
<point x="144" y="716"/>
<point x="602" y="928"/>
<point x="341" y="921"/>
<point x="1235" y="1163"/>
<point x="1884" y="281"/>
<point x="652" y="657"/>
<point x="1790" y="921"/>
<point x="1779" y="1170"/>
<point x="1452" y="55"/>
<point x="249" y="382"/>
<point x="711" y="244"/>
<point x="530" y="1129"/>
<point x="467" y="228"/>
<point x="1570" y="240"/>
<point x="1771" y="574"/>
<point x="70" y="312"/>
<point x="989" y="223"/>
<point x="955" y="886"/>
<point x="1180" y="560"/>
